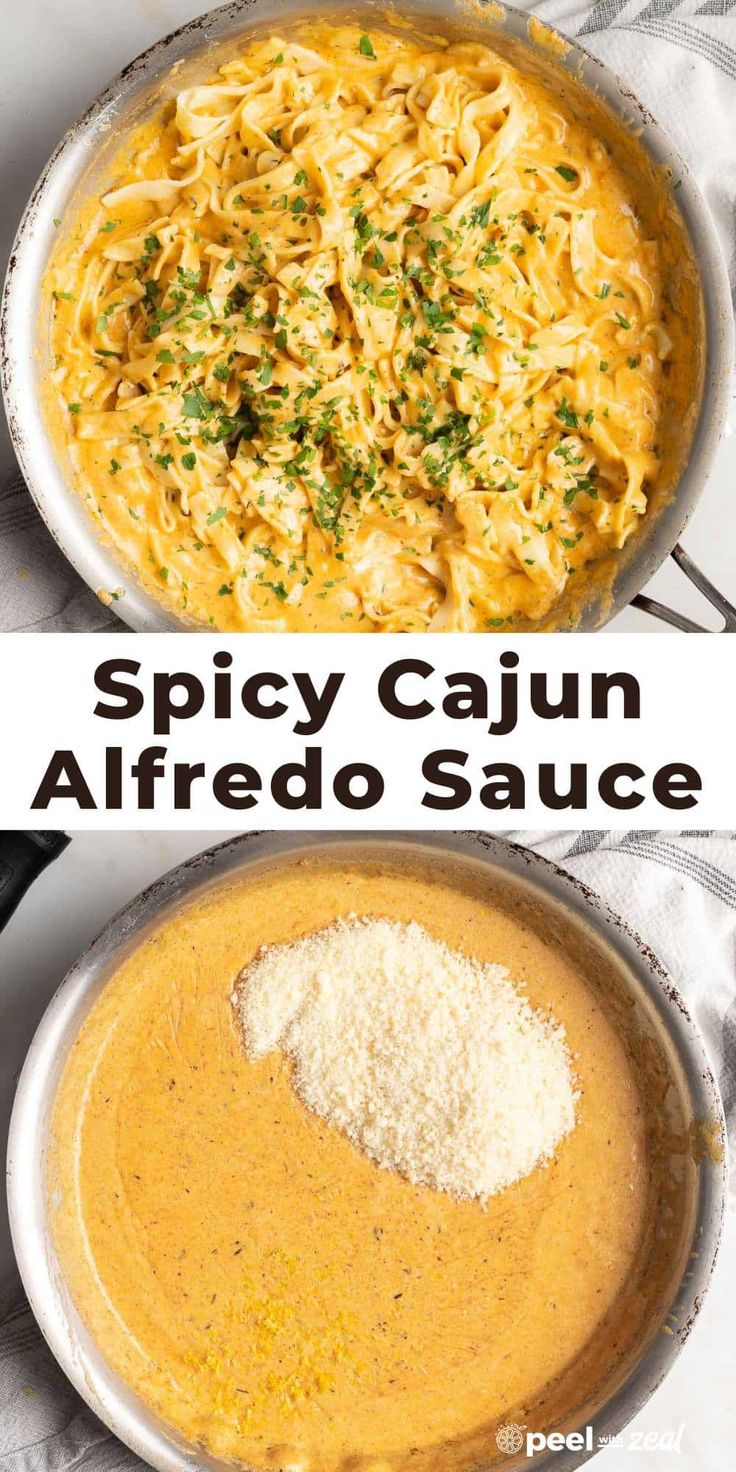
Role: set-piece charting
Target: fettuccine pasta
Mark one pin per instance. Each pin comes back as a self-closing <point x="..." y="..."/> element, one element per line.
<point x="369" y="334"/>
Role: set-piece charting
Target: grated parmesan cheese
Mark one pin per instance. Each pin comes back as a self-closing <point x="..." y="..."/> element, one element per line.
<point x="432" y="1062"/>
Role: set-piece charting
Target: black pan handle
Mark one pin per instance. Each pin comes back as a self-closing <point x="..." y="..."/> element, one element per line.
<point x="23" y="856"/>
<point x="704" y="586"/>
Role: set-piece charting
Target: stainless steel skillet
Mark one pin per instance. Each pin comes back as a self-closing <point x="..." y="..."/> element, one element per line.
<point x="195" y="51"/>
<point x="525" y="876"/>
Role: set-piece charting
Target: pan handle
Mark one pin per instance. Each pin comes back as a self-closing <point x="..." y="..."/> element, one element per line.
<point x="704" y="586"/>
<point x="23" y="856"/>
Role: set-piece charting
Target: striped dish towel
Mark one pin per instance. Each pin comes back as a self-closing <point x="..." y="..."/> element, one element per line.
<point x="678" y="56"/>
<point x="679" y="892"/>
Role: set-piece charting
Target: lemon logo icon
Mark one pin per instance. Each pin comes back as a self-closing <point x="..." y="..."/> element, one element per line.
<point x="510" y="1438"/>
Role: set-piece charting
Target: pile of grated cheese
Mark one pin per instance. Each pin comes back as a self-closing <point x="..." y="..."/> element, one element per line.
<point x="432" y="1062"/>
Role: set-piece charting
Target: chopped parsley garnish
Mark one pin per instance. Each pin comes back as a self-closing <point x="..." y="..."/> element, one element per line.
<point x="196" y="405"/>
<point x="480" y="214"/>
<point x="488" y="256"/>
<point x="567" y="415"/>
<point x="435" y="316"/>
<point x="476" y="344"/>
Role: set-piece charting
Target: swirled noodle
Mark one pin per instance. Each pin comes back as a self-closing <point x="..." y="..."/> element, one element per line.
<point x="369" y="334"/>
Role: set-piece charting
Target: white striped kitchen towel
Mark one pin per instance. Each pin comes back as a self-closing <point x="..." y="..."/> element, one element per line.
<point x="679" y="892"/>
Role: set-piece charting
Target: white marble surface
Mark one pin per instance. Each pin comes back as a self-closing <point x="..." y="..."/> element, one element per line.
<point x="66" y="908"/>
<point x="54" y="58"/>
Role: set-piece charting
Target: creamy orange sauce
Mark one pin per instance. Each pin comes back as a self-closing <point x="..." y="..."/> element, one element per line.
<point x="374" y="334"/>
<point x="274" y="1295"/>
